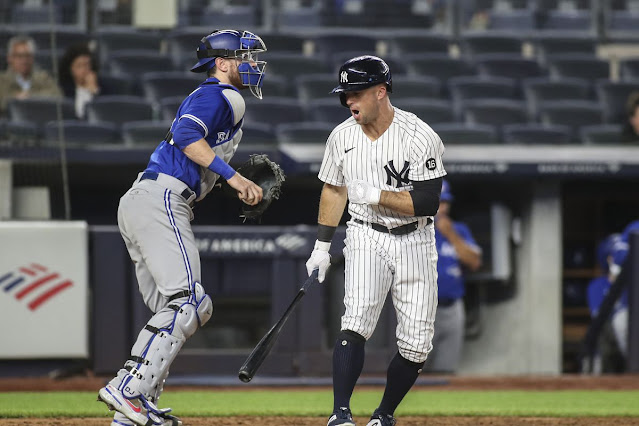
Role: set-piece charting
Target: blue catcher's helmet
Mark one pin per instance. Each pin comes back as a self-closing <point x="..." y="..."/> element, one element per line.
<point x="237" y="44"/>
<point x="362" y="72"/>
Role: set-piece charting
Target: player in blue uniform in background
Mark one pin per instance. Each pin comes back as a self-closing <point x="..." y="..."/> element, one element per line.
<point x="457" y="250"/>
<point x="154" y="219"/>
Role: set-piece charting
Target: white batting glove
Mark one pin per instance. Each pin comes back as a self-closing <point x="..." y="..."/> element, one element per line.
<point x="362" y="192"/>
<point x="320" y="259"/>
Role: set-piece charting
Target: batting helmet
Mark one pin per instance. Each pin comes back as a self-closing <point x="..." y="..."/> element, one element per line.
<point x="242" y="45"/>
<point x="362" y="72"/>
<point x="446" y="195"/>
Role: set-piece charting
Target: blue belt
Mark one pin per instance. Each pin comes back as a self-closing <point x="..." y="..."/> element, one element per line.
<point x="186" y="194"/>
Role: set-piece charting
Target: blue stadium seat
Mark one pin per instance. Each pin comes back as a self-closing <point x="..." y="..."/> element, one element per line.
<point x="290" y="65"/>
<point x="534" y="133"/>
<point x="133" y="63"/>
<point x="273" y="110"/>
<point x="494" y="112"/>
<point x="553" y="45"/>
<point x="277" y="85"/>
<point x="144" y="133"/>
<point x="629" y="69"/>
<point x="326" y="45"/>
<point x="466" y="134"/>
<point x="26" y="14"/>
<point x="571" y="113"/>
<point x="39" y="111"/>
<point x="429" y="110"/>
<point x="230" y="16"/>
<point x="405" y="86"/>
<point x="601" y="134"/>
<point x="419" y="42"/>
<point x="573" y="20"/>
<point x="482" y="43"/>
<point x="82" y="133"/>
<point x="258" y="136"/>
<point x="290" y="19"/>
<point x="539" y="90"/>
<point x="327" y="111"/>
<point x="314" y="132"/>
<point x="623" y="21"/>
<point x="440" y="66"/>
<point x="182" y="43"/>
<point x="164" y="84"/>
<point x="169" y="107"/>
<point x="587" y="67"/>
<point x="283" y="42"/>
<point x="44" y="58"/>
<point x="115" y="84"/>
<point x="315" y="86"/>
<point x="512" y="20"/>
<point x="119" y="109"/>
<point x="465" y="88"/>
<point x="114" y="39"/>
<point x="509" y="66"/>
<point x="613" y="97"/>
<point x="63" y="38"/>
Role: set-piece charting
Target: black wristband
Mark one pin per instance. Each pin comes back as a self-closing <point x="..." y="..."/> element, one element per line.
<point x="325" y="233"/>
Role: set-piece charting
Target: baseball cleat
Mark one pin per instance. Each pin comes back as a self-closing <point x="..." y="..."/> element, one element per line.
<point x="137" y="413"/>
<point x="341" y="417"/>
<point x="381" y="419"/>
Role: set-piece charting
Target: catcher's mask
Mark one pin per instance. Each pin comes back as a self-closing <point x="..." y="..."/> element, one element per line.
<point x="236" y="44"/>
<point x="360" y="73"/>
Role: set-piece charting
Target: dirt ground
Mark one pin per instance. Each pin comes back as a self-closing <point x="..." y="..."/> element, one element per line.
<point x="625" y="382"/>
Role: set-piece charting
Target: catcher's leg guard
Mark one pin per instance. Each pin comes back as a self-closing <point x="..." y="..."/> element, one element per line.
<point x="157" y="346"/>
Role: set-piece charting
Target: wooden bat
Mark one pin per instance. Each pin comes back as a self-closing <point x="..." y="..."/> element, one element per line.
<point x="263" y="348"/>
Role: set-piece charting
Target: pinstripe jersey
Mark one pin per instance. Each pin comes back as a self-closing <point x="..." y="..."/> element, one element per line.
<point x="409" y="150"/>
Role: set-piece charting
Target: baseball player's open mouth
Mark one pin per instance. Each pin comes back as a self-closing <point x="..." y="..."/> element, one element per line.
<point x="355" y="113"/>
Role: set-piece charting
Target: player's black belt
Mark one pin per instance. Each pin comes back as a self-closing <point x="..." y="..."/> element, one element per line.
<point x="186" y="194"/>
<point x="444" y="302"/>
<point x="400" y="230"/>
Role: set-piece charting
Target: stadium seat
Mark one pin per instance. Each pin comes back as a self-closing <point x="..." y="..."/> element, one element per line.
<point x="509" y="66"/>
<point x="276" y="85"/>
<point x="144" y="133"/>
<point x="573" y="20"/>
<point x="315" y="86"/>
<point x="314" y="132"/>
<point x="623" y="21"/>
<point x="28" y="14"/>
<point x="495" y="112"/>
<point x="115" y="85"/>
<point x="181" y="45"/>
<point x="440" y="66"/>
<point x="273" y="110"/>
<point x="550" y="46"/>
<point x="466" y="134"/>
<point x="169" y="107"/>
<point x="119" y="109"/>
<point x="38" y="111"/>
<point x="230" y="16"/>
<point x="113" y="39"/>
<point x="258" y="136"/>
<point x="327" y="111"/>
<point x="405" y="86"/>
<point x="629" y="69"/>
<point x="429" y="110"/>
<point x="472" y="45"/>
<point x="290" y="65"/>
<point x="464" y="88"/>
<point x="586" y="67"/>
<point x="134" y="63"/>
<point x="512" y="20"/>
<point x="534" y="133"/>
<point x="298" y="17"/>
<point x="613" y="97"/>
<point x="601" y="134"/>
<point x="44" y="58"/>
<point x="159" y="85"/>
<point x="326" y="45"/>
<point x="538" y="90"/>
<point x="282" y="42"/>
<point x="419" y="42"/>
<point x="571" y="113"/>
<point x="63" y="38"/>
<point x="82" y="133"/>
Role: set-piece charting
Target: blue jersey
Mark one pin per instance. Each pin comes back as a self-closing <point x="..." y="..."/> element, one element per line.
<point x="597" y="290"/>
<point x="213" y="112"/>
<point x="450" y="279"/>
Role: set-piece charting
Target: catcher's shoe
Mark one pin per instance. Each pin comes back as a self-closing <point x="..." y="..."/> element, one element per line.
<point x="139" y="412"/>
<point x="381" y="419"/>
<point x="341" y="417"/>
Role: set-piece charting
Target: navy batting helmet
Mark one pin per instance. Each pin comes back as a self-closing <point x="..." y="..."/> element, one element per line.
<point x="360" y="73"/>
<point x="242" y="45"/>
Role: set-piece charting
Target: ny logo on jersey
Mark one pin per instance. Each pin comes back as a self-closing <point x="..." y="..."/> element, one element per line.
<point x="343" y="77"/>
<point x="401" y="177"/>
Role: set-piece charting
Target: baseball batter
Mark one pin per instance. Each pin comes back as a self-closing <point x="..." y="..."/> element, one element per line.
<point x="154" y="219"/>
<point x="388" y="164"/>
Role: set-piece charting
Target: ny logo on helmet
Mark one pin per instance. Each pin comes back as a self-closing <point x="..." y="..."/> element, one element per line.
<point x="343" y="77"/>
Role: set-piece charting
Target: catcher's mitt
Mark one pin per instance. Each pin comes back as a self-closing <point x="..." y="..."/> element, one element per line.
<point x="269" y="176"/>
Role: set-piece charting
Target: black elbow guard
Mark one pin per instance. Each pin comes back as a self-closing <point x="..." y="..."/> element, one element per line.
<point x="425" y="195"/>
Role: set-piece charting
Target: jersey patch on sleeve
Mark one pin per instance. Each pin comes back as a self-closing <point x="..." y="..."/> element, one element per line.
<point x="431" y="164"/>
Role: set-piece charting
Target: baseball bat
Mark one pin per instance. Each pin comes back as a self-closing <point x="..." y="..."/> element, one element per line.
<point x="263" y="348"/>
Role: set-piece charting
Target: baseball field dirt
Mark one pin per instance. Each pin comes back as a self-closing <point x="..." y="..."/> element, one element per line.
<point x="567" y="382"/>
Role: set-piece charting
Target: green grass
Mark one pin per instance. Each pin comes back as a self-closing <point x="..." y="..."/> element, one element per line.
<point x="319" y="403"/>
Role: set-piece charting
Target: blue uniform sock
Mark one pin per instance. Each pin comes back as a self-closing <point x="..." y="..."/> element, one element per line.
<point x="348" y="361"/>
<point x="401" y="376"/>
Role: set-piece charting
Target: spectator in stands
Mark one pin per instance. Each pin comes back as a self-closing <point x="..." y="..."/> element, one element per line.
<point x="457" y="250"/>
<point x="612" y="345"/>
<point x="78" y="76"/>
<point x="630" y="132"/>
<point x="21" y="80"/>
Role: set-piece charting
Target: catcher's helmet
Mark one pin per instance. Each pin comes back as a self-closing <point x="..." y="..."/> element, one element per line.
<point x="362" y="72"/>
<point x="237" y="44"/>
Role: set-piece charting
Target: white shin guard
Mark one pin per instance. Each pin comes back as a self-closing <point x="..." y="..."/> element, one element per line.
<point x="159" y="343"/>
